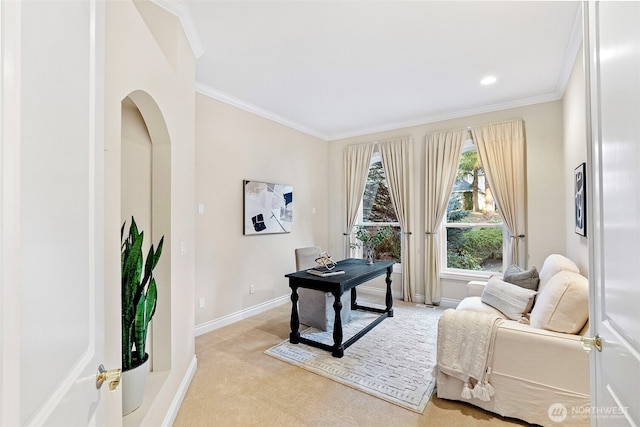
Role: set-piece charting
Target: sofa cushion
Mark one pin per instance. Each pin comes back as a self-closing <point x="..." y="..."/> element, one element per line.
<point x="476" y="304"/>
<point x="563" y="304"/>
<point x="512" y="300"/>
<point x="527" y="279"/>
<point x="552" y="265"/>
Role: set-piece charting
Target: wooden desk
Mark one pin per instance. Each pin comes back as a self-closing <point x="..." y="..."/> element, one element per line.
<point x="356" y="272"/>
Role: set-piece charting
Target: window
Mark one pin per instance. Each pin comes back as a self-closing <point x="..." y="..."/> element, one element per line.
<point x="376" y="212"/>
<point x="473" y="230"/>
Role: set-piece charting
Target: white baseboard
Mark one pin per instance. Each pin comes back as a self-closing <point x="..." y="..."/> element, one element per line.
<point x="172" y="413"/>
<point x="418" y="298"/>
<point x="212" y="325"/>
<point x="378" y="291"/>
<point x="449" y="303"/>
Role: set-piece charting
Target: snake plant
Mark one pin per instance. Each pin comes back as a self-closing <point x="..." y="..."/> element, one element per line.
<point x="139" y="294"/>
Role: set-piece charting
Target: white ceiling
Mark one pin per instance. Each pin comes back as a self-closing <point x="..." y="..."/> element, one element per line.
<point x="336" y="69"/>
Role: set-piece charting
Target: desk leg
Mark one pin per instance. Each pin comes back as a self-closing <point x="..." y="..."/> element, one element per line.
<point x="294" y="336"/>
<point x="338" y="349"/>
<point x="354" y="298"/>
<point x="389" y="298"/>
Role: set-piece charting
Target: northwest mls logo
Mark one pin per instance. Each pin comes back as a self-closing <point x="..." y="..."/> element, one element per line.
<point x="557" y="412"/>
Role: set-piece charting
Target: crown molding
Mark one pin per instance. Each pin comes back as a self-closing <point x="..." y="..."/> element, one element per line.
<point x="244" y="105"/>
<point x="572" y="51"/>
<point x="180" y="9"/>
<point x="522" y="102"/>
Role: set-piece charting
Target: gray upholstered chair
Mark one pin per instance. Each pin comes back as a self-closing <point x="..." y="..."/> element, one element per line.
<point x="315" y="308"/>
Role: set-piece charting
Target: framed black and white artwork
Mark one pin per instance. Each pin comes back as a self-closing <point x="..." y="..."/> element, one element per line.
<point x="580" y="199"/>
<point x="268" y="208"/>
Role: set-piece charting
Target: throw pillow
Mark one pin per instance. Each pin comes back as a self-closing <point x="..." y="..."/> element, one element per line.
<point x="512" y="300"/>
<point x="528" y="279"/>
<point x="563" y="304"/>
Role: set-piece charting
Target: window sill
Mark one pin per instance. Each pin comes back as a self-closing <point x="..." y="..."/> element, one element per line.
<point x="468" y="276"/>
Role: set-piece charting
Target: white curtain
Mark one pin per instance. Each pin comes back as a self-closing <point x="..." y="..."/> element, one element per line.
<point x="501" y="148"/>
<point x="397" y="163"/>
<point x="356" y="167"/>
<point x="442" y="158"/>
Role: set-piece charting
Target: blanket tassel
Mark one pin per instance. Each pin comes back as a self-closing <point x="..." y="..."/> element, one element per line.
<point x="466" y="391"/>
<point x="483" y="391"/>
<point x="489" y="388"/>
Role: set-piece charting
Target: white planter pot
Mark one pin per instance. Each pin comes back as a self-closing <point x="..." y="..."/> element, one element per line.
<point x="133" y="382"/>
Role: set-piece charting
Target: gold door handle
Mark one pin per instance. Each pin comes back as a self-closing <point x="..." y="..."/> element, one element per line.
<point x="588" y="343"/>
<point x="113" y="376"/>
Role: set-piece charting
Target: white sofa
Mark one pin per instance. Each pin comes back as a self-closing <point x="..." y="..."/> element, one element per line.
<point x="539" y="375"/>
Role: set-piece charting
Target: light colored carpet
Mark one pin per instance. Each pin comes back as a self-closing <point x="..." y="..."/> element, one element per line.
<point x="237" y="385"/>
<point x="394" y="361"/>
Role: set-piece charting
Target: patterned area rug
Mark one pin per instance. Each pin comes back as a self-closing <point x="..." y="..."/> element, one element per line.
<point x="394" y="361"/>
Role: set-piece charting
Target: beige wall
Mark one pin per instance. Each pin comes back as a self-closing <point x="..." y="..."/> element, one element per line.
<point x="233" y="145"/>
<point x="228" y="136"/>
<point x="159" y="76"/>
<point x="135" y="196"/>
<point x="545" y="175"/>
<point x="575" y="153"/>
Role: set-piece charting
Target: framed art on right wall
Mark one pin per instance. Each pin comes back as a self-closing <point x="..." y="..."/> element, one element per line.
<point x="580" y="199"/>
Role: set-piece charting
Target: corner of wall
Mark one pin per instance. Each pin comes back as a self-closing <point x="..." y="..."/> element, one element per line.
<point x="574" y="110"/>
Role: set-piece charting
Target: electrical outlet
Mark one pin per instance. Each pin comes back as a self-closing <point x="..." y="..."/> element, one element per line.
<point x="201" y="302"/>
<point x="252" y="289"/>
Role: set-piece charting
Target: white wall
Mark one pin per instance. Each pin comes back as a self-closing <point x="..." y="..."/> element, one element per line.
<point x="545" y="175"/>
<point x="135" y="196"/>
<point x="233" y="145"/>
<point x="160" y="74"/>
<point x="575" y="153"/>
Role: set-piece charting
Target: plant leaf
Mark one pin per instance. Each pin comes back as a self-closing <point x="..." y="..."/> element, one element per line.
<point x="138" y="300"/>
<point x="156" y="256"/>
<point x="140" y="330"/>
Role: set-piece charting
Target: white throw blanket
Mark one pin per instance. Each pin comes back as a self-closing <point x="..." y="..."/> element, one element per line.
<point x="465" y="347"/>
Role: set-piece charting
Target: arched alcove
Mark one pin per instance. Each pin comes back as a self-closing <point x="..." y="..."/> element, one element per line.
<point x="146" y="194"/>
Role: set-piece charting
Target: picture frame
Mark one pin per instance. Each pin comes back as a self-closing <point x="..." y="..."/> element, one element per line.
<point x="267" y="208"/>
<point x="580" y="199"/>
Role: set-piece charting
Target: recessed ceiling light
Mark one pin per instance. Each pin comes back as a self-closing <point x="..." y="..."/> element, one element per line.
<point x="489" y="80"/>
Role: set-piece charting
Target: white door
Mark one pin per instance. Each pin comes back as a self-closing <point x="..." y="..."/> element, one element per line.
<point x="51" y="216"/>
<point x="614" y="68"/>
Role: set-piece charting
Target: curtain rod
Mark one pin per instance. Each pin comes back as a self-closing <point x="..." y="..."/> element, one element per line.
<point x="378" y="141"/>
<point x="469" y="128"/>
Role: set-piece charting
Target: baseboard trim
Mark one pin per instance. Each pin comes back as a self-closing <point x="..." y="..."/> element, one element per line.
<point x="449" y="303"/>
<point x="212" y="325"/>
<point x="418" y="298"/>
<point x="229" y="319"/>
<point x="174" y="408"/>
<point x="378" y="291"/>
